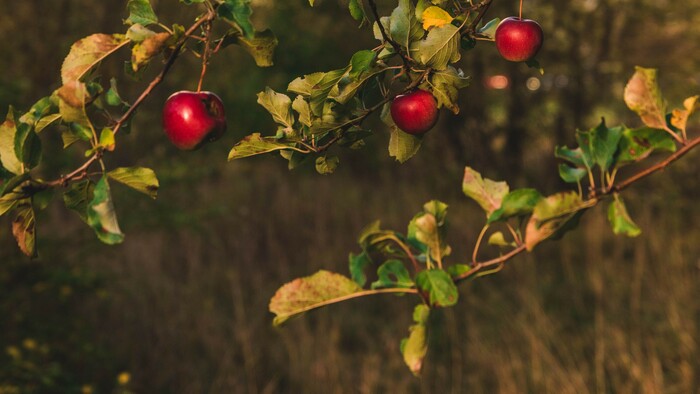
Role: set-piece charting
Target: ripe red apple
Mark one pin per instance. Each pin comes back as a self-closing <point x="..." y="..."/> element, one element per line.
<point x="191" y="119"/>
<point x="518" y="40"/>
<point x="415" y="112"/>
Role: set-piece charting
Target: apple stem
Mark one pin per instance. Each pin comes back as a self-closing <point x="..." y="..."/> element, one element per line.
<point x="205" y="55"/>
<point x="521" y="10"/>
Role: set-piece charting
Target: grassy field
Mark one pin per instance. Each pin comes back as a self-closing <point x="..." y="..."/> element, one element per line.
<point x="182" y="305"/>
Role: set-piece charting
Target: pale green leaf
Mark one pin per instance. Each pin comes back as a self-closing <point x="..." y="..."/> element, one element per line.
<point x="255" y="144"/>
<point x="439" y="48"/>
<point x="261" y="46"/>
<point x="415" y="347"/>
<point x="101" y="215"/>
<point x="487" y="193"/>
<point x="278" y="105"/>
<point x="445" y="86"/>
<point x="141" y="179"/>
<point x="304" y="294"/>
<point x="620" y="219"/>
<point x="551" y="214"/>
<point x="402" y="146"/>
<point x="8" y="157"/>
<point x="326" y="165"/>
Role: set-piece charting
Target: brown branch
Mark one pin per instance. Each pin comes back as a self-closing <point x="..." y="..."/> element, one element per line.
<point x="480" y="266"/>
<point x="482" y="7"/>
<point x="385" y="36"/>
<point x="345" y="126"/>
<point x="81" y="172"/>
<point x="658" y="167"/>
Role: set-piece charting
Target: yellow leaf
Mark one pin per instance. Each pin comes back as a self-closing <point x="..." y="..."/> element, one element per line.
<point x="435" y="17"/>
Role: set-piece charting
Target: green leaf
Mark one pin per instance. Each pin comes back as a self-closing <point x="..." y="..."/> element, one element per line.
<point x="357" y="9"/>
<point x="458" y="270"/>
<point x="438" y="287"/>
<point x="9" y="201"/>
<point x="551" y="214"/>
<point x="415" y="347"/>
<point x="326" y="165"/>
<point x="643" y="96"/>
<point x="404" y="27"/>
<point x="570" y="174"/>
<point x="392" y="274"/>
<point x="302" y="107"/>
<point x="140" y="11"/>
<point x="278" y="105"/>
<point x="573" y="156"/>
<point x="324" y="88"/>
<point x="46" y="121"/>
<point x="402" y="146"/>
<point x="261" y="46"/>
<point x="357" y="264"/>
<point x="487" y="193"/>
<point x="439" y="48"/>
<point x="141" y="179"/>
<point x="112" y="96"/>
<point x="498" y="239"/>
<point x="101" y="215"/>
<point x="315" y="291"/>
<point x="8" y="156"/>
<point x="87" y="53"/>
<point x="107" y="140"/>
<point x="620" y="220"/>
<point x="27" y="146"/>
<point x="24" y="228"/>
<point x="238" y="12"/>
<point x="11" y="184"/>
<point x="516" y="203"/>
<point x="637" y="144"/>
<point x="489" y="29"/>
<point x="600" y="143"/>
<point x="362" y="62"/>
<point x="445" y="86"/>
<point x="255" y="144"/>
<point x="306" y="85"/>
<point x="44" y="107"/>
<point x="78" y="196"/>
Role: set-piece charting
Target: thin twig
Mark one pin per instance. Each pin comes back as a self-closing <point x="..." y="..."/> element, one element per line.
<point x="81" y="172"/>
<point x="478" y="267"/>
<point x="385" y="36"/>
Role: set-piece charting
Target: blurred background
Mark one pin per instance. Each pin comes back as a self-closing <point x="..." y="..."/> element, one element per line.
<point x="181" y="306"/>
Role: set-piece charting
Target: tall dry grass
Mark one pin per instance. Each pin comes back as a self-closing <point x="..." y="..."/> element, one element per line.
<point x="186" y="310"/>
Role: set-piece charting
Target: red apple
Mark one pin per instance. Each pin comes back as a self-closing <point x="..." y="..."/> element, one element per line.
<point x="518" y="40"/>
<point x="191" y="119"/>
<point x="415" y="112"/>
